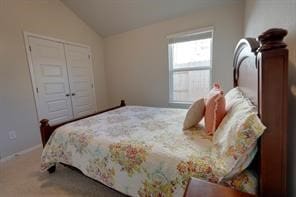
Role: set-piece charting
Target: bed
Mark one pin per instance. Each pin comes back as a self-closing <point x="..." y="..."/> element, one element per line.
<point x="140" y="151"/>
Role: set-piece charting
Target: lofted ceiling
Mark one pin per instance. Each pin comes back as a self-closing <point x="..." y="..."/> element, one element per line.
<point x="110" y="17"/>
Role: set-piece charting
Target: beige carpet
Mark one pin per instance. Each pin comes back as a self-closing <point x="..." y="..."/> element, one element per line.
<point x="21" y="177"/>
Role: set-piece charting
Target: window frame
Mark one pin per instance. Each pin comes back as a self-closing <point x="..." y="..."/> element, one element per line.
<point x="175" y="103"/>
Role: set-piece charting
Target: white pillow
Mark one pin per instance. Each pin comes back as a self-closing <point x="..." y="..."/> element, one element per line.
<point x="233" y="97"/>
<point x="236" y="137"/>
<point x="235" y="150"/>
<point x="194" y="114"/>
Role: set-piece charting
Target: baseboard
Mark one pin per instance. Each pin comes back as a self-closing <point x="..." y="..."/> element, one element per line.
<point x="19" y="153"/>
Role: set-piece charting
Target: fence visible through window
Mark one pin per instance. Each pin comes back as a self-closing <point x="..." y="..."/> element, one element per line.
<point x="190" y="59"/>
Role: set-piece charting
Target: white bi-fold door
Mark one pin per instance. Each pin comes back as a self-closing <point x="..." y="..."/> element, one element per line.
<point x="81" y="82"/>
<point x="63" y="79"/>
<point x="51" y="80"/>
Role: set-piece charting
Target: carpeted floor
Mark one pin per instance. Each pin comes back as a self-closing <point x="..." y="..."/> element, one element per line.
<point x="21" y="177"/>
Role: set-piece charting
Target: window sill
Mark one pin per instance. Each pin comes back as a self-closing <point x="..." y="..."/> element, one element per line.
<point x="184" y="105"/>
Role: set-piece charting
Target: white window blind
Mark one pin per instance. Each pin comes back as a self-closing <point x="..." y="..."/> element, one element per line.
<point x="190" y="65"/>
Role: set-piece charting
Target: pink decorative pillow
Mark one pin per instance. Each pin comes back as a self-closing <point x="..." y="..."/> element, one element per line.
<point x="215" y="109"/>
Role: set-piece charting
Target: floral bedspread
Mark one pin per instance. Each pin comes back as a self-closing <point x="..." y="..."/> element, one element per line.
<point x="139" y="151"/>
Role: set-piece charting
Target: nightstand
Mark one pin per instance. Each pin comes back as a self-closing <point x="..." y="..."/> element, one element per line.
<point x="200" y="188"/>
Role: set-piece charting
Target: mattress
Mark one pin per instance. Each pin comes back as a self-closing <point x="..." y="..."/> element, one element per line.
<point x="139" y="151"/>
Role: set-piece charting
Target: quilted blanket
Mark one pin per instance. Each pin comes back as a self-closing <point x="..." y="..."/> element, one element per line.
<point x="139" y="151"/>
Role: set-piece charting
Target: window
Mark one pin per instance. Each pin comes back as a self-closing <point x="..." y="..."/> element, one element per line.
<point x="190" y="65"/>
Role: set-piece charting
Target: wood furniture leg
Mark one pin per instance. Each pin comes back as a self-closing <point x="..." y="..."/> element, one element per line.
<point x="52" y="169"/>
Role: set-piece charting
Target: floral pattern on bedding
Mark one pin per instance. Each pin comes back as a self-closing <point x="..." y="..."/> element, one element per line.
<point x="245" y="182"/>
<point x="99" y="170"/>
<point x="139" y="151"/>
<point x="195" y="167"/>
<point x="129" y="155"/>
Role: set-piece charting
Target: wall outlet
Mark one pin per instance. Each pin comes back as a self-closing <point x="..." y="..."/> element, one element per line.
<point x="12" y="135"/>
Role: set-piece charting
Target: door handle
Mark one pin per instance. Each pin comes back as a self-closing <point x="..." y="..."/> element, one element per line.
<point x="67" y="95"/>
<point x="73" y="94"/>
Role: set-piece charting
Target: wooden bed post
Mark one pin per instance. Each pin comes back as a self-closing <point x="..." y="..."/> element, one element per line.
<point x="45" y="131"/>
<point x="261" y="72"/>
<point x="44" y="128"/>
<point x="122" y="103"/>
<point x="273" y="89"/>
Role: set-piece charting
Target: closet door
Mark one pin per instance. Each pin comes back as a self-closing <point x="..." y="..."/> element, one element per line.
<point x="79" y="66"/>
<point x="52" y="92"/>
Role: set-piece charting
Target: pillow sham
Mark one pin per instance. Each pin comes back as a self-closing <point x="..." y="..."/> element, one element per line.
<point x="238" y="107"/>
<point x="194" y="114"/>
<point x="215" y="109"/>
<point x="236" y="138"/>
<point x="233" y="97"/>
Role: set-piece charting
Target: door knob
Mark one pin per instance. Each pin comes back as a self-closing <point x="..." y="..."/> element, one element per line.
<point x="67" y="95"/>
<point x="73" y="94"/>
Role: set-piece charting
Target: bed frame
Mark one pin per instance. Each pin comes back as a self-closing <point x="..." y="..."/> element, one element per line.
<point x="261" y="71"/>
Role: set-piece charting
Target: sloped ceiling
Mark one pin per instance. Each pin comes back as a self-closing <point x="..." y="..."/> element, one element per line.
<point x="110" y="17"/>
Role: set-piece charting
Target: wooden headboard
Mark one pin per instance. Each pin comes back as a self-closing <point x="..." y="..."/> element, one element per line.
<point x="261" y="72"/>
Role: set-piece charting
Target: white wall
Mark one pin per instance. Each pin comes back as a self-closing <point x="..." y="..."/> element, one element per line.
<point x="259" y="16"/>
<point x="17" y="107"/>
<point x="137" y="61"/>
